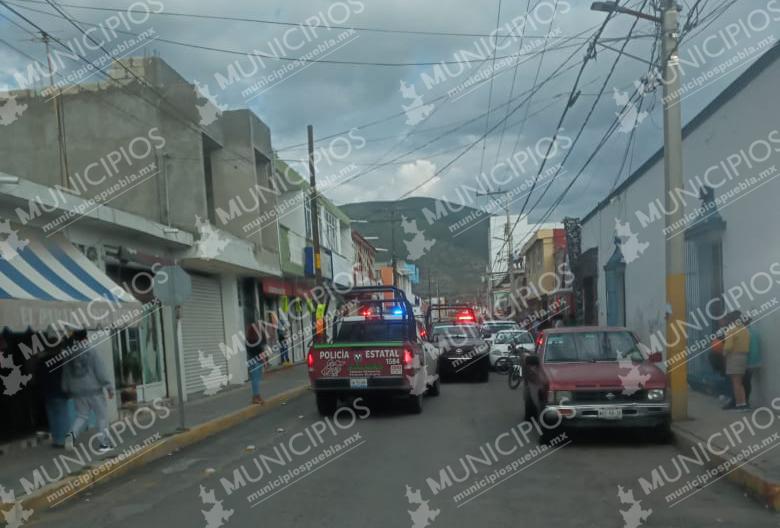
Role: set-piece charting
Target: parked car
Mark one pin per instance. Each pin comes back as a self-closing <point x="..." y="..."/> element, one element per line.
<point x="490" y="328"/>
<point x="520" y="340"/>
<point x="378" y="349"/>
<point x="462" y="351"/>
<point x="595" y="376"/>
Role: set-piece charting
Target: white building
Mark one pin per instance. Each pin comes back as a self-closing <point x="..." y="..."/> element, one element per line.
<point x="732" y="254"/>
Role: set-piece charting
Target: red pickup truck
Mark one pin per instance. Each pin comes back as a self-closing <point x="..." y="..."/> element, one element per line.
<point x="378" y="349"/>
<point x="595" y="376"/>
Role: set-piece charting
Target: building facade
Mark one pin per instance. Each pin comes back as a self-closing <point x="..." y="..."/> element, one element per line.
<point x="731" y="151"/>
<point x="140" y="182"/>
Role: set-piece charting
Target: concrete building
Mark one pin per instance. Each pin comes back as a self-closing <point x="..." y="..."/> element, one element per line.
<point x="543" y="291"/>
<point x="364" y="264"/>
<point x="731" y="153"/>
<point x="501" y="286"/>
<point x="407" y="278"/>
<point x="295" y="243"/>
<point x="155" y="174"/>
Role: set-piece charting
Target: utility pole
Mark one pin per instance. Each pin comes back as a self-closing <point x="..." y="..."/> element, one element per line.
<point x="673" y="179"/>
<point x="392" y="246"/>
<point x="59" y="113"/>
<point x="510" y="249"/>
<point x="315" y="216"/>
<point x="315" y="225"/>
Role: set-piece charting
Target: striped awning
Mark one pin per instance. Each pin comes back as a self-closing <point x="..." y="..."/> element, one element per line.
<point x="48" y="284"/>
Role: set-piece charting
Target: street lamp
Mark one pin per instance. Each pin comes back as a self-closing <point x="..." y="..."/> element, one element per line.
<point x="613" y="7"/>
<point x="7" y="178"/>
<point x="673" y="179"/>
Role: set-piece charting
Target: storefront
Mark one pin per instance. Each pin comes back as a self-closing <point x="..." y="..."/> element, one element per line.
<point x="203" y="337"/>
<point x="48" y="289"/>
<point x="139" y="359"/>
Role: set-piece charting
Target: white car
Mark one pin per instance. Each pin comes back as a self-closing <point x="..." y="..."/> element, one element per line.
<point x="491" y="328"/>
<point x="502" y="340"/>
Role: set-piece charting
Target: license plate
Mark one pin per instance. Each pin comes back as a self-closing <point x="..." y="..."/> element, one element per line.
<point x="609" y="413"/>
<point x="395" y="370"/>
<point x="358" y="383"/>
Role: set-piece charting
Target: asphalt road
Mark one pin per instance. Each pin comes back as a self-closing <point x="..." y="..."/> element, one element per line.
<point x="365" y="482"/>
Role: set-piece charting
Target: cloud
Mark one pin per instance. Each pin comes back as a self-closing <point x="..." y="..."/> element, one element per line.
<point x="337" y="97"/>
<point x="413" y="174"/>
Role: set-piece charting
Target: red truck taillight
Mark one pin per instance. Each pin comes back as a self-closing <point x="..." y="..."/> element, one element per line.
<point x="408" y="358"/>
<point x="310" y="358"/>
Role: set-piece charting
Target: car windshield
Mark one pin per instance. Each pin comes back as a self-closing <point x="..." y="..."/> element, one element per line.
<point x="498" y="326"/>
<point x="591" y="346"/>
<point x="463" y="331"/>
<point x="370" y="331"/>
<point x="521" y="338"/>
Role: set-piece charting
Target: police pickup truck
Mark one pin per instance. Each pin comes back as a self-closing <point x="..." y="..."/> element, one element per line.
<point x="377" y="349"/>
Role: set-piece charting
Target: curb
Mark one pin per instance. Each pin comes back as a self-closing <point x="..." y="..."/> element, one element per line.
<point x="752" y="480"/>
<point x="70" y="487"/>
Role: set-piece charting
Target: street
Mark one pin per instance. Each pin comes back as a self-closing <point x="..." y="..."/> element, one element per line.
<point x="365" y="483"/>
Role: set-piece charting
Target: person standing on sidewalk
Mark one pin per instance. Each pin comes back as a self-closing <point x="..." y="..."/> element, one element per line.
<point x="85" y="379"/>
<point x="281" y="334"/>
<point x="736" y="347"/>
<point x="256" y="343"/>
<point x="55" y="398"/>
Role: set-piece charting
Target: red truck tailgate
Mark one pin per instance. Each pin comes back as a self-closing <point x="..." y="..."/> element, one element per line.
<point x="357" y="360"/>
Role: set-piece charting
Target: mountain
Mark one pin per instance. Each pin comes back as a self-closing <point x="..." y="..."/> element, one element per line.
<point x="448" y="242"/>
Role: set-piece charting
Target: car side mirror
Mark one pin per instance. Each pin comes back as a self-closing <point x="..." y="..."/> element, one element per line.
<point x="655" y="357"/>
<point x="532" y="360"/>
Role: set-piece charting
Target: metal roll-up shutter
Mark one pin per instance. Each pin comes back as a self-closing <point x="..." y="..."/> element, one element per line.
<point x="205" y="366"/>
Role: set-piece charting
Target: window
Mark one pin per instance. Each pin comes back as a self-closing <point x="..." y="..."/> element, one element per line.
<point x="615" y="282"/>
<point x="366" y="332"/>
<point x="330" y="238"/>
<point x="591" y="346"/>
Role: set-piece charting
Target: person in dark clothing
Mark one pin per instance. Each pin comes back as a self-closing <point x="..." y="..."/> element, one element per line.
<point x="281" y="334"/>
<point x="55" y="398"/>
<point x="256" y="343"/>
<point x="86" y="380"/>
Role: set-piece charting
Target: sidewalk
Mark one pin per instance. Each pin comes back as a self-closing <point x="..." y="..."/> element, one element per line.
<point x="743" y="443"/>
<point x="204" y="417"/>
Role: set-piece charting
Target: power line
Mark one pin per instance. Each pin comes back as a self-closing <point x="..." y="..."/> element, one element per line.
<point x="403" y="112"/>
<point x="592" y="108"/>
<point x="449" y="132"/>
<point x="188" y="123"/>
<point x="514" y="74"/>
<point x="490" y="91"/>
<point x="475" y="142"/>
<point x="257" y="54"/>
<point x="572" y="98"/>
<point x="290" y="24"/>
<point x="582" y="128"/>
<point x="603" y="141"/>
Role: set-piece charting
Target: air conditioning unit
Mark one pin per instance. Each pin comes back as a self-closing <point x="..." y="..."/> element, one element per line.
<point x="91" y="252"/>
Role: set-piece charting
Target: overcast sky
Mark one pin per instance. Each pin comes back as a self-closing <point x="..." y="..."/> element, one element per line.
<point x="336" y="97"/>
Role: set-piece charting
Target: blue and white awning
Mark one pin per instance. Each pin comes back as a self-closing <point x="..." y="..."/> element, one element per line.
<point x="47" y="283"/>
